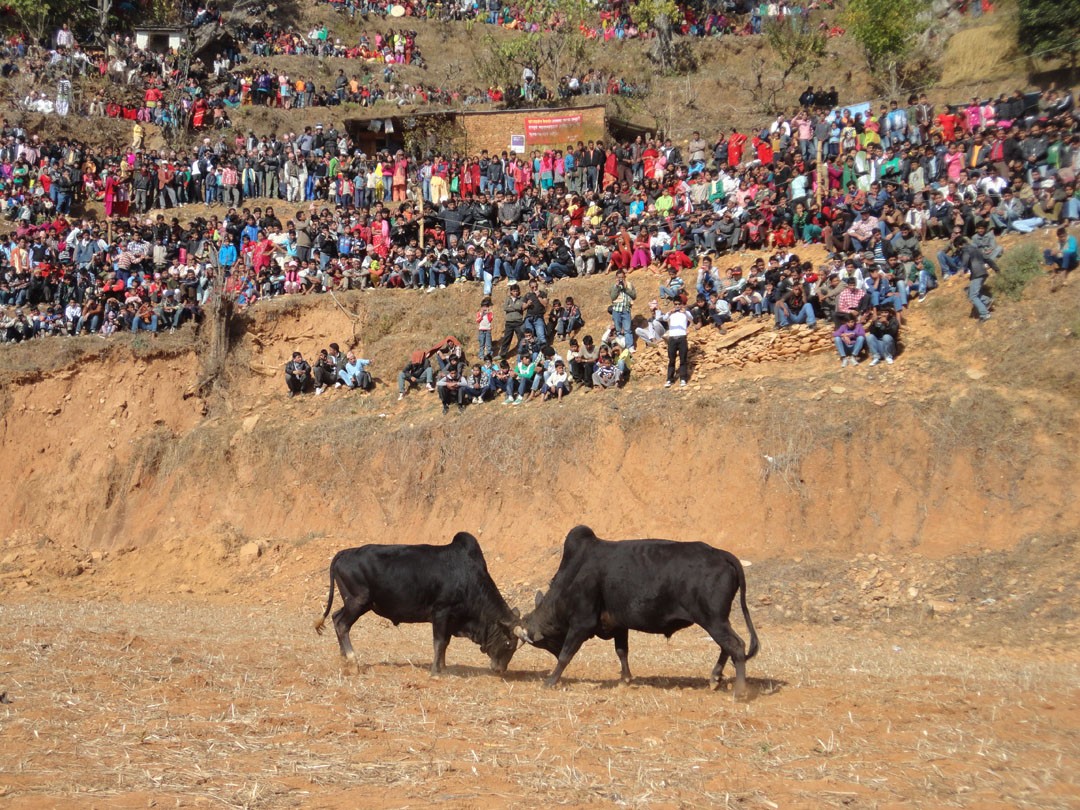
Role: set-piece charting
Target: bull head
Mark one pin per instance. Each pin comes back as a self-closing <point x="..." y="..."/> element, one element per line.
<point x="523" y="634"/>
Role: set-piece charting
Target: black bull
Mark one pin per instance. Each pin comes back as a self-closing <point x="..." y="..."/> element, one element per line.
<point x="448" y="586"/>
<point x="605" y="589"/>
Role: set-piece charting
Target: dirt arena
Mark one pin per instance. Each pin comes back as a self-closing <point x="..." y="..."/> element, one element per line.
<point x="173" y="702"/>
<point x="910" y="529"/>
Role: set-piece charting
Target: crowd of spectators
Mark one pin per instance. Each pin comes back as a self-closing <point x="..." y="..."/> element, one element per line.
<point x="176" y="91"/>
<point x="614" y="19"/>
<point x="872" y="188"/>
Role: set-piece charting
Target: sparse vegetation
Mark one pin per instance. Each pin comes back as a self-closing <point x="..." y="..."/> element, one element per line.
<point x="1019" y="267"/>
<point x="1050" y="26"/>
<point x="889" y="32"/>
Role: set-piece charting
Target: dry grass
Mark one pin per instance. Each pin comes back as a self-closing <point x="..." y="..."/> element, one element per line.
<point x="249" y="709"/>
<point x="45" y="355"/>
<point x="980" y="54"/>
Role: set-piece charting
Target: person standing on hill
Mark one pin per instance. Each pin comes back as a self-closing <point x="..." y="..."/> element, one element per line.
<point x="514" y="322"/>
<point x="484" y="318"/>
<point x="678" y="330"/>
<point x="972" y="259"/>
<point x="622" y="302"/>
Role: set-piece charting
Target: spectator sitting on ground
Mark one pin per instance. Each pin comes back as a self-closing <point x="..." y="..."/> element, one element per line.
<point x="606" y="374"/>
<point x="655" y="327"/>
<point x="673" y="290"/>
<point x="418" y="370"/>
<point x="297" y="374"/>
<point x="355" y="373"/>
<point x="476" y="384"/>
<point x="849" y="337"/>
<point x="557" y="382"/>
<point x="1063" y="260"/>
<point x="883" y="335"/>
<point x="451" y="389"/>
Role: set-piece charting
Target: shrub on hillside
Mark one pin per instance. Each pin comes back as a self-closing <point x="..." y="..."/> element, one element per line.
<point x="1018" y="266"/>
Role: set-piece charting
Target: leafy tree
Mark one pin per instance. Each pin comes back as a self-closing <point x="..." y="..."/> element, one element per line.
<point x="41" y="17"/>
<point x="658" y="15"/>
<point x="889" y="32"/>
<point x="552" y="45"/>
<point x="1051" y="25"/>
<point x="794" y="48"/>
<point x="799" y="46"/>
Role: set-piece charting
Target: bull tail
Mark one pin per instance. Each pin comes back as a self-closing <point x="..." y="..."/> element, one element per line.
<point x="321" y="623"/>
<point x="752" y="651"/>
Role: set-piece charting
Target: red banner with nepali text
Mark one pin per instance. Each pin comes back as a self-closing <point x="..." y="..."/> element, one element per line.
<point x="554" y="130"/>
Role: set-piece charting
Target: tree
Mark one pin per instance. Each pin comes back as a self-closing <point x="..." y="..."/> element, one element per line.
<point x="792" y="47"/>
<point x="889" y="32"/>
<point x="799" y="46"/>
<point x="1050" y="25"/>
<point x="41" y="17"/>
<point x="658" y="15"/>
<point x="552" y="45"/>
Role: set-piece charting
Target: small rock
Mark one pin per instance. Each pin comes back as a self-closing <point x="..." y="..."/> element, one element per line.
<point x="975" y="374"/>
<point x="838" y="389"/>
<point x="250" y="551"/>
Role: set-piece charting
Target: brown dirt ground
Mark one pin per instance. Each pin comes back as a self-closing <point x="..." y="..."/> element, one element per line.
<point x="910" y="530"/>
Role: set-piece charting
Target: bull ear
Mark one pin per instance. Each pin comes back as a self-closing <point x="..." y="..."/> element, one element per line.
<point x="539" y="598"/>
<point x="517" y="613"/>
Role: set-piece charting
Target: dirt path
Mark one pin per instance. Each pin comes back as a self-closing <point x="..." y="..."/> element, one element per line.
<point x="128" y="705"/>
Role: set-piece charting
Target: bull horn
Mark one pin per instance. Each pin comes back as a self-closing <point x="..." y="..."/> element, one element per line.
<point x="521" y="633"/>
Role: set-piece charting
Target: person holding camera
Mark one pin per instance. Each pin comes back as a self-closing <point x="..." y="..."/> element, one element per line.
<point x="679" y="322"/>
<point x="622" y="302"/>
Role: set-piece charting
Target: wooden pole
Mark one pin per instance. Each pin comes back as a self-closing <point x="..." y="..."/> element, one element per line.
<point x="822" y="176"/>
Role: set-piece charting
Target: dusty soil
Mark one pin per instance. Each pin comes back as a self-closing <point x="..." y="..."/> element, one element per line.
<point x="910" y="529"/>
<point x="186" y="701"/>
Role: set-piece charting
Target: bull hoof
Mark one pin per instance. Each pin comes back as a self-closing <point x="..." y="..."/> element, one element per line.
<point x="550" y="683"/>
<point x="715" y="684"/>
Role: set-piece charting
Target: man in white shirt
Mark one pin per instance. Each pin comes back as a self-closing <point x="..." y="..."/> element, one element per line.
<point x="678" y="327"/>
